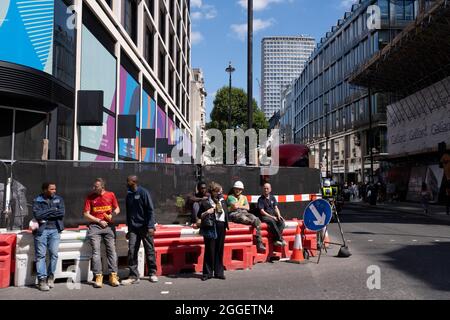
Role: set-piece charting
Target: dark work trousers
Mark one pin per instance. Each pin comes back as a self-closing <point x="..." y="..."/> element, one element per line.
<point x="275" y="227"/>
<point x="134" y="243"/>
<point x="213" y="260"/>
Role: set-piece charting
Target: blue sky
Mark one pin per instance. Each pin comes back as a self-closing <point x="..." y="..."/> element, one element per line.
<point x="219" y="34"/>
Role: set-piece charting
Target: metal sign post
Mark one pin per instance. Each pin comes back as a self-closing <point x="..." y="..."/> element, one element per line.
<point x="317" y="217"/>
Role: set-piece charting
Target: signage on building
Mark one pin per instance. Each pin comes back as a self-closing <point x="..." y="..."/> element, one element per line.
<point x="422" y="130"/>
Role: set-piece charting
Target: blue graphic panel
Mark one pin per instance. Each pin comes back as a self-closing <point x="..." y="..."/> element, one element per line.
<point x="26" y="33"/>
<point x="129" y="104"/>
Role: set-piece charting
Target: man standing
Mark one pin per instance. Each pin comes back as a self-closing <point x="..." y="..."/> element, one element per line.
<point x="270" y="214"/>
<point x="99" y="207"/>
<point x="48" y="210"/>
<point x="239" y="212"/>
<point x="141" y="227"/>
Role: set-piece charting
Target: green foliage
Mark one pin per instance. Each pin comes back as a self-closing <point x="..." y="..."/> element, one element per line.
<point x="219" y="115"/>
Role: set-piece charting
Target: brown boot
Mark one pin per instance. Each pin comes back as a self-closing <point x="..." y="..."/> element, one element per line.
<point x="98" y="281"/>
<point x="114" y="279"/>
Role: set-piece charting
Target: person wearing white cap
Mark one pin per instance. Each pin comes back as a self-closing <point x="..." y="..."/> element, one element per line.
<point x="239" y="212"/>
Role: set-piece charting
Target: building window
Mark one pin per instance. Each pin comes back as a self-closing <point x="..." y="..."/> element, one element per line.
<point x="151" y="7"/>
<point x="162" y="66"/>
<point x="149" y="47"/>
<point x="129" y="18"/>
<point x="64" y="46"/>
<point x="162" y="21"/>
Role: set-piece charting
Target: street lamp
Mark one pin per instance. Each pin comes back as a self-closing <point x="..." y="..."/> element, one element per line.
<point x="250" y="62"/>
<point x="230" y="70"/>
<point x="327" y="136"/>
<point x="371" y="146"/>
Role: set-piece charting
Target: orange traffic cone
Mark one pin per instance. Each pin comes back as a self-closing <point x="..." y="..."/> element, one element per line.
<point x="297" y="253"/>
<point x="326" y="239"/>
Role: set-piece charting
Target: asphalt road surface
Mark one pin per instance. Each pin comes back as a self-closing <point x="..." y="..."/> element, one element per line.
<point x="395" y="256"/>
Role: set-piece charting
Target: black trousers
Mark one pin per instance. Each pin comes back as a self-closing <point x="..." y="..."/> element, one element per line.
<point x="213" y="260"/>
<point x="134" y="242"/>
<point x="275" y="227"/>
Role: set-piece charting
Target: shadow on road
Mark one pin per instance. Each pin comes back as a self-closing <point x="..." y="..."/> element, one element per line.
<point x="353" y="214"/>
<point x="428" y="263"/>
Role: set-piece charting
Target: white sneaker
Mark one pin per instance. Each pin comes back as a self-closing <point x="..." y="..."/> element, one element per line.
<point x="130" y="281"/>
<point x="153" y="278"/>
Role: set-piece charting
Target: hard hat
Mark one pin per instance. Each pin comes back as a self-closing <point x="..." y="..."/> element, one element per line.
<point x="238" y="185"/>
<point x="327" y="183"/>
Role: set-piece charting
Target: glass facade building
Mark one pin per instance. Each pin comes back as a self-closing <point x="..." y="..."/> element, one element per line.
<point x="137" y="53"/>
<point x="283" y="59"/>
<point x="327" y="108"/>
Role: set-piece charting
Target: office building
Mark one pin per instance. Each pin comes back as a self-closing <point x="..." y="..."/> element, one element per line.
<point x="342" y="124"/>
<point x="282" y="59"/>
<point x="95" y="80"/>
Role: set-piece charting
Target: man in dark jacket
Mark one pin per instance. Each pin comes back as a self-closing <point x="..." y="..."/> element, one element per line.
<point x="141" y="227"/>
<point x="48" y="211"/>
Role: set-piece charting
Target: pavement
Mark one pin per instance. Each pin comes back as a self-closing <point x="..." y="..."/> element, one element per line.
<point x="397" y="254"/>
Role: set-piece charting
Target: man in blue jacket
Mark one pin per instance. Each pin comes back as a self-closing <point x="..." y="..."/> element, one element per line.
<point x="48" y="211"/>
<point x="141" y="227"/>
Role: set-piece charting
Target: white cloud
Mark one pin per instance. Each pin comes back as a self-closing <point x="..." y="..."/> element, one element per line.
<point x="196" y="37"/>
<point x="241" y="29"/>
<point x="197" y="15"/>
<point x="259" y="5"/>
<point x="347" y="4"/>
<point x="205" y="11"/>
<point x="196" y="3"/>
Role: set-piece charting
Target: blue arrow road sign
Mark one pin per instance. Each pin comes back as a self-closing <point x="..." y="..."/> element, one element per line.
<point x="317" y="215"/>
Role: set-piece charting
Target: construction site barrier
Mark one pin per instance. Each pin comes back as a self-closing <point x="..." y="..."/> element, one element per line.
<point x="4" y="170"/>
<point x="294" y="187"/>
<point x="178" y="249"/>
<point x="74" y="257"/>
<point x="7" y="252"/>
<point x="170" y="186"/>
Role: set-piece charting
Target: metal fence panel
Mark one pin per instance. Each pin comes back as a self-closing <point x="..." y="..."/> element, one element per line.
<point x="168" y="184"/>
<point x="288" y="181"/>
<point x="4" y="169"/>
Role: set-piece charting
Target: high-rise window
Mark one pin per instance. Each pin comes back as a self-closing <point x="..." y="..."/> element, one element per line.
<point x="162" y="21"/>
<point x="149" y="47"/>
<point x="162" y="65"/>
<point x="129" y="18"/>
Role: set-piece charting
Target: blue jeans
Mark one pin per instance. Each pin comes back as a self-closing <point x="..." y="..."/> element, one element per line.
<point x="49" y="239"/>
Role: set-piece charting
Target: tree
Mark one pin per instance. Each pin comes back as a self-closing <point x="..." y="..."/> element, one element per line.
<point x="219" y="114"/>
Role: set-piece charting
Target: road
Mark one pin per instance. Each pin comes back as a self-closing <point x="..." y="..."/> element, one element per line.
<point x="411" y="251"/>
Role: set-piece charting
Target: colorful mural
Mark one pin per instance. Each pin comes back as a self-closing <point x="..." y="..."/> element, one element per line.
<point x="161" y="131"/>
<point x="100" y="138"/>
<point x="98" y="72"/>
<point x="129" y="104"/>
<point x="148" y="122"/>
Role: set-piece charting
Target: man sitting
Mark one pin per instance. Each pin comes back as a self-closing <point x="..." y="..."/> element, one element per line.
<point x="270" y="214"/>
<point x="239" y="213"/>
<point x="195" y="200"/>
